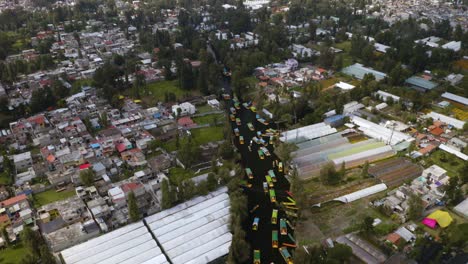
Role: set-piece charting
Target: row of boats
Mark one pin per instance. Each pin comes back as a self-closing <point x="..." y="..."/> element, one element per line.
<point x="268" y="184"/>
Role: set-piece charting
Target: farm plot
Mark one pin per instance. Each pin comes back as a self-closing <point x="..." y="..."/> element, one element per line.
<point x="395" y="171"/>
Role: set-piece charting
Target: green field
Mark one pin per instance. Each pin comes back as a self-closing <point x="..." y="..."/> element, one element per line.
<point x="355" y="150"/>
<point x="207" y="134"/>
<point x="200" y="135"/>
<point x="159" y="89"/>
<point x="451" y="163"/>
<point x="51" y="196"/>
<point x="209" y="119"/>
<point x="13" y="254"/>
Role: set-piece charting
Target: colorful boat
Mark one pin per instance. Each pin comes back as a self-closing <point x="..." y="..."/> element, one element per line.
<point x="236" y="132"/>
<point x="232" y="117"/>
<point x="283" y="227"/>
<point x="263" y="121"/>
<point x="265" y="187"/>
<point x="253" y="109"/>
<point x="274" y="216"/>
<point x="256" y="257"/>
<point x="290" y="226"/>
<point x="238" y="121"/>
<point x="237" y="105"/>
<point x="266" y="151"/>
<point x="289" y="245"/>
<point x="233" y="110"/>
<point x="286" y="256"/>
<point x="272" y="196"/>
<point x="256" y="140"/>
<point x="272" y="140"/>
<point x="260" y="154"/>
<point x="255" y="223"/>
<point x="249" y="173"/>
<point x="274" y="238"/>
<point x="241" y="140"/>
<point x="280" y="167"/>
<point x="246" y="105"/>
<point x="259" y="134"/>
<point x="271" y="173"/>
<point x="292" y="238"/>
<point x="250" y="126"/>
<point x="269" y="181"/>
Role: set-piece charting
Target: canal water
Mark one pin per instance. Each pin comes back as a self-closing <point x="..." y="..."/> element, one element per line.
<point x="261" y="239"/>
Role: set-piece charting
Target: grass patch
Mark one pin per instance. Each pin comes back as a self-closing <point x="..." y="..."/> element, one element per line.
<point x="207" y="134"/>
<point x="328" y="82"/>
<point x="451" y="163"/>
<point x="177" y="175"/>
<point x="5" y="179"/>
<point x="51" y="196"/>
<point x="209" y="119"/>
<point x="200" y="136"/>
<point x="158" y="91"/>
<point x="13" y="254"/>
<point x="205" y="109"/>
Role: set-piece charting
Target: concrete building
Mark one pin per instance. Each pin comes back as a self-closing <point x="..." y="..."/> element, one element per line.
<point x="22" y="161"/>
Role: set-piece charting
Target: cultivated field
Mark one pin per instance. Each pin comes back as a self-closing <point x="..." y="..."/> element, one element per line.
<point x="394" y="172"/>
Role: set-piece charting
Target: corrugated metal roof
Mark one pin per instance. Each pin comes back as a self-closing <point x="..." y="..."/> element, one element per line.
<point x="358" y="70"/>
<point x="130" y="244"/>
<point x="421" y="83"/>
<point x="196" y="231"/>
<point x="456" y="98"/>
<point x="361" y="193"/>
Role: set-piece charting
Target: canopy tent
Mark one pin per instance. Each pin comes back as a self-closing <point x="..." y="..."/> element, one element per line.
<point x="429" y="222"/>
<point x="443" y="218"/>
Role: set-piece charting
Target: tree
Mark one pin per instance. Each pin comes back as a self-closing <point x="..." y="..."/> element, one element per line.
<point x="31" y="240"/>
<point x="104" y="120"/>
<point x="5" y="236"/>
<point x="211" y="181"/>
<point x="46" y="255"/>
<point x="284" y="151"/>
<point x="87" y="177"/>
<point x="133" y="211"/>
<point x="340" y="252"/>
<point x="365" y="169"/>
<point x="329" y="175"/>
<point x="453" y="191"/>
<point x="367" y="224"/>
<point x="415" y="207"/>
<point x="166" y="196"/>
<point x="342" y="171"/>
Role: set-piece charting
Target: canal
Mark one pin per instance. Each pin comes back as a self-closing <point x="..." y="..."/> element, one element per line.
<point x="261" y="239"/>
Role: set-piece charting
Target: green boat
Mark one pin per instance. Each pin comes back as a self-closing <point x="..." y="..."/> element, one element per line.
<point x="274" y="238"/>
<point x="283" y="228"/>
<point x="286" y="256"/>
<point x="260" y="154"/>
<point x="272" y="196"/>
<point x="274" y="216"/>
<point x="249" y="173"/>
<point x="256" y="256"/>
<point x="269" y="181"/>
<point x="250" y="126"/>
